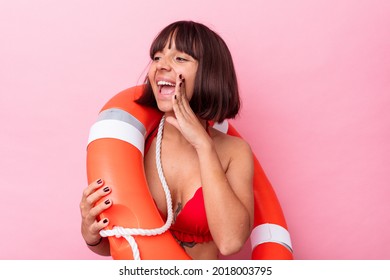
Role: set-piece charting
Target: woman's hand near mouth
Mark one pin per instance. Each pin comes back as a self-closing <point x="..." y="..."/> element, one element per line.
<point x="185" y="119"/>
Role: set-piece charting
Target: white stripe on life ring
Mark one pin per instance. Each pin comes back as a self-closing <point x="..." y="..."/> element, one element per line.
<point x="121" y="115"/>
<point x="270" y="233"/>
<point x="111" y="128"/>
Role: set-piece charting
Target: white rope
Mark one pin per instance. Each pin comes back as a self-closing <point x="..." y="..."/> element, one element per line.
<point x="161" y="174"/>
<point x="128" y="233"/>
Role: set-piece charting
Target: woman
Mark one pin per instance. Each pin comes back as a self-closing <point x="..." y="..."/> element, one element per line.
<point x="192" y="80"/>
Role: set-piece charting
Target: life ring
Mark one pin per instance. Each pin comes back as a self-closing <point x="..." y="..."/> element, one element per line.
<point x="115" y="153"/>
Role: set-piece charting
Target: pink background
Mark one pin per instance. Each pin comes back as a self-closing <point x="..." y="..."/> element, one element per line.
<point x="314" y="78"/>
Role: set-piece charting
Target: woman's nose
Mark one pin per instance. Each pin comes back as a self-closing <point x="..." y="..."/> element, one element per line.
<point x="163" y="64"/>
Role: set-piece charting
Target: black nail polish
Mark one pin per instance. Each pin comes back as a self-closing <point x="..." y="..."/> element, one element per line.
<point x="105" y="221"/>
<point x="180" y="76"/>
<point x="175" y="96"/>
<point x="99" y="181"/>
<point x="180" y="84"/>
<point x="106" y="189"/>
<point x="107" y="202"/>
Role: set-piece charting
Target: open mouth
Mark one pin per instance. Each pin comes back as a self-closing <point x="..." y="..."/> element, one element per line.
<point x="165" y="87"/>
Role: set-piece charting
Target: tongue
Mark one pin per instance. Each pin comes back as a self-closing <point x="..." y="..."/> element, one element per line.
<point x="167" y="90"/>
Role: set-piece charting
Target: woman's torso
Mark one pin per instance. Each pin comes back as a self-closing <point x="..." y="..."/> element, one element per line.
<point x="181" y="170"/>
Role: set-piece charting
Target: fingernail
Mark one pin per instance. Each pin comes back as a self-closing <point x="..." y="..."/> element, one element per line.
<point x="99" y="181"/>
<point x="175" y="96"/>
<point x="105" y="221"/>
<point x="180" y="76"/>
<point x="106" y="189"/>
<point x="180" y="84"/>
<point x="107" y="202"/>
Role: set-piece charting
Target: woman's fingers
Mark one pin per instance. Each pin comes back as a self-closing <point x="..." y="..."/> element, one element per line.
<point x="99" y="208"/>
<point x="182" y="99"/>
<point x="181" y="106"/>
<point x="94" y="192"/>
<point x="176" y="103"/>
<point x="177" y="98"/>
<point x="98" y="194"/>
<point x="92" y="189"/>
<point x="99" y="225"/>
<point x="91" y="208"/>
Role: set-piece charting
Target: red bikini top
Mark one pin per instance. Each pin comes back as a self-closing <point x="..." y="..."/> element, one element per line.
<point x="190" y="224"/>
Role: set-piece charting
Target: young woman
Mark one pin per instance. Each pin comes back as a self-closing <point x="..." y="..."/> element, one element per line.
<point x="192" y="80"/>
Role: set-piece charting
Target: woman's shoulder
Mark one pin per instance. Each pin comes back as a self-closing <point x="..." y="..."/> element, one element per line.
<point x="234" y="153"/>
<point x="230" y="144"/>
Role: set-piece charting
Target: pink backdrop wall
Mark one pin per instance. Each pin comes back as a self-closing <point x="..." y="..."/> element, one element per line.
<point x="314" y="77"/>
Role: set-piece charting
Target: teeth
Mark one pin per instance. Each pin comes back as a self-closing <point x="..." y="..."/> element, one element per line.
<point x="165" y="83"/>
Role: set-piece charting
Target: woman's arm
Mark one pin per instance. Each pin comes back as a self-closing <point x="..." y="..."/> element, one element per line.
<point x="228" y="196"/>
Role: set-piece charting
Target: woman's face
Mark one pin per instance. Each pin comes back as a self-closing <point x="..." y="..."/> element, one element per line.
<point x="164" y="71"/>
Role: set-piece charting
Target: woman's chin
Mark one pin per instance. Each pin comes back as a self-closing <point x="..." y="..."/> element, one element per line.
<point x="165" y="108"/>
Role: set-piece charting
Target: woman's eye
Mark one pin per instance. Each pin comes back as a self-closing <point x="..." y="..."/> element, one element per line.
<point x="157" y="56"/>
<point x="181" y="59"/>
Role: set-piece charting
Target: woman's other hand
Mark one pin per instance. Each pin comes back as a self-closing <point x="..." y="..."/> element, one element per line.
<point x="90" y="211"/>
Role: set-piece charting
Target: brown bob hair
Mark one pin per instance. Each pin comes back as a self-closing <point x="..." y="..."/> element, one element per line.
<point x="216" y="95"/>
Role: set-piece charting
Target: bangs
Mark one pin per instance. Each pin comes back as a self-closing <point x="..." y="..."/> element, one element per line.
<point x="185" y="36"/>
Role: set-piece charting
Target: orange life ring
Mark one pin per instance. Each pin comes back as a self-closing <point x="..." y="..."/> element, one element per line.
<point x="115" y="153"/>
